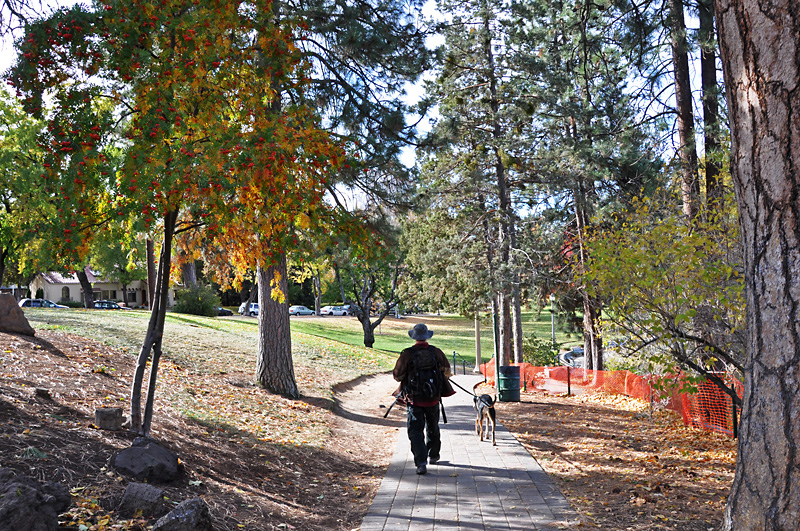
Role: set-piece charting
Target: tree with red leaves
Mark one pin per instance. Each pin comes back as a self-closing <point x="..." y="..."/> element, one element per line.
<point x="167" y="111"/>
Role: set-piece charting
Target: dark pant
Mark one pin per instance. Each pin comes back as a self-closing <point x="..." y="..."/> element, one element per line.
<point x="423" y="432"/>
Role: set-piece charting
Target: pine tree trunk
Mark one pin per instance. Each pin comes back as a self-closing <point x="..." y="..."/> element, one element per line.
<point x="506" y="223"/>
<point x="274" y="366"/>
<point x="88" y="293"/>
<point x="496" y="341"/>
<point x="715" y="190"/>
<point x="687" y="152"/>
<point x="516" y="318"/>
<point x="505" y="329"/>
<point x="760" y="50"/>
<point x="592" y="341"/>
<point x="478" y="358"/>
<point x="153" y="336"/>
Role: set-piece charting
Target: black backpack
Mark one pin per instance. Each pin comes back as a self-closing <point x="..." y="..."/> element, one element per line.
<point x="424" y="380"/>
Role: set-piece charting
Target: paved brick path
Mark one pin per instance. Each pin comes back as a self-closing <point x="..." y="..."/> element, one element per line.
<point x="475" y="486"/>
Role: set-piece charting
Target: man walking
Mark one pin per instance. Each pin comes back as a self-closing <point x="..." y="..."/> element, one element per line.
<point x="423" y="371"/>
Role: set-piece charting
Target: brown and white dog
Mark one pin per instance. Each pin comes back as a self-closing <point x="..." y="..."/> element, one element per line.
<point x="484" y="407"/>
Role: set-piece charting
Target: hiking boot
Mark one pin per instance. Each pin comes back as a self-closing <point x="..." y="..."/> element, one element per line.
<point x="422" y="469"/>
<point x="433" y="460"/>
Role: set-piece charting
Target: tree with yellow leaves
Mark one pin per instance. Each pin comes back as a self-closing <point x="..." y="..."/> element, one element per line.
<point x="170" y="111"/>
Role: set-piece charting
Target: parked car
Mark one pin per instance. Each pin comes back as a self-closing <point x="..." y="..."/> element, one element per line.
<point x="300" y="310"/>
<point x="253" y="308"/>
<point x="572" y="358"/>
<point x="108" y="305"/>
<point x="39" y="303"/>
<point x="223" y="311"/>
<point x="333" y="310"/>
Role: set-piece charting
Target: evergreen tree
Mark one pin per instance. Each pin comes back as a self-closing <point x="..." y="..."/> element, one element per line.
<point x="446" y="258"/>
<point x="687" y="148"/>
<point x="759" y="50"/>
<point x="474" y="146"/>
<point x="361" y="54"/>
<point x="591" y="142"/>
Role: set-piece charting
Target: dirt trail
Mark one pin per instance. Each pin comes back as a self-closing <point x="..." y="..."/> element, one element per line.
<point x="360" y="428"/>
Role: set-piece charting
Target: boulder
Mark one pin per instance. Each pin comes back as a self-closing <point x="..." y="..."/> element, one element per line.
<point x="27" y="505"/>
<point x="141" y="497"/>
<point x="146" y="460"/>
<point x="12" y="320"/>
<point x="108" y="418"/>
<point x="190" y="515"/>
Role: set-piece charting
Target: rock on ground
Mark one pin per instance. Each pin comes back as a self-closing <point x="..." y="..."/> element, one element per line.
<point x="146" y="460"/>
<point x="142" y="497"/>
<point x="27" y="505"/>
<point x="12" y="319"/>
<point x="190" y="515"/>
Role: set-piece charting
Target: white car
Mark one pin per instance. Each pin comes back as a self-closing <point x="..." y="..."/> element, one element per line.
<point x="333" y="310"/>
<point x="39" y="303"/>
<point x="253" y="308"/>
<point x="300" y="310"/>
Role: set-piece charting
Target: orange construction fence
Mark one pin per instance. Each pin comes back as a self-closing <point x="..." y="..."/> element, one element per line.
<point x="709" y="408"/>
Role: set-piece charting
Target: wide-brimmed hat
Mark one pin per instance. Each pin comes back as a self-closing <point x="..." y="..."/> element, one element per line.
<point x="420" y="332"/>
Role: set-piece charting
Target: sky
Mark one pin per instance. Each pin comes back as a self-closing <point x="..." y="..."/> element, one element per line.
<point x="7" y="53"/>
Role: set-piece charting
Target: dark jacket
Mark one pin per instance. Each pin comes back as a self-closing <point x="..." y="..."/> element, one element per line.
<point x="401" y="371"/>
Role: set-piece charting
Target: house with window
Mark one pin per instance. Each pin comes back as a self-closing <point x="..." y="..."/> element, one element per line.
<point x="59" y="287"/>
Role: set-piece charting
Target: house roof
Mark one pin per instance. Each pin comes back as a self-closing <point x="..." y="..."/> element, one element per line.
<point x="53" y="277"/>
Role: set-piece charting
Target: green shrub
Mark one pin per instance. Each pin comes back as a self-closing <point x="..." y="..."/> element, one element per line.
<point x="197" y="300"/>
<point x="72" y="304"/>
<point x="537" y="351"/>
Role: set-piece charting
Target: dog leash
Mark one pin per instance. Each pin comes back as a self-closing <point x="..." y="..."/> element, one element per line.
<point x="441" y="405"/>
<point x="468" y="392"/>
<point x="390" y="407"/>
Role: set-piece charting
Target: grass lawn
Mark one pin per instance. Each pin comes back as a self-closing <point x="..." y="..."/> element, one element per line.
<point x="451" y="332"/>
<point x="211" y="345"/>
<point x="332" y="343"/>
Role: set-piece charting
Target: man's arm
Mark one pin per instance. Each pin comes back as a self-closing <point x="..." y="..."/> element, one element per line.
<point x="400" y="367"/>
<point x="444" y="363"/>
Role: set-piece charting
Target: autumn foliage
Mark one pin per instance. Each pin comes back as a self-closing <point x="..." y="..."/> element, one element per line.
<point x="174" y="106"/>
<point x="180" y="115"/>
